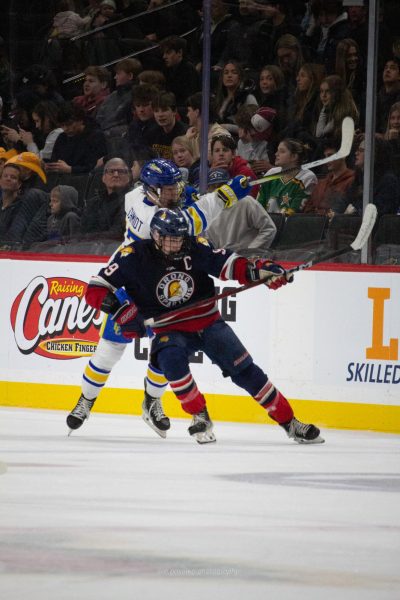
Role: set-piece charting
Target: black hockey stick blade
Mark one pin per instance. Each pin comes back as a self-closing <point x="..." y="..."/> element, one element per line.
<point x="360" y="240"/>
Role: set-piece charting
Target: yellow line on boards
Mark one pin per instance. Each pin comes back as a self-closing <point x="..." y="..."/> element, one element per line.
<point x="340" y="415"/>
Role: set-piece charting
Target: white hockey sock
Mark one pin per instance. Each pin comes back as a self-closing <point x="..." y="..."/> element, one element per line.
<point x="100" y="366"/>
<point x="155" y="382"/>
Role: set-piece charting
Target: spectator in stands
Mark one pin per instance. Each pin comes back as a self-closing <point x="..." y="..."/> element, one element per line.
<point x="31" y="168"/>
<point x="304" y="112"/>
<point x="247" y="229"/>
<point x="274" y="20"/>
<point x="288" y="193"/>
<point x="184" y="152"/>
<point x="168" y="127"/>
<point x="30" y="199"/>
<point x="225" y="33"/>
<point x="194" y="119"/>
<point x="80" y="146"/>
<point x="152" y="77"/>
<point x="115" y="113"/>
<point x="64" y="221"/>
<point x="255" y="130"/>
<point x="331" y="187"/>
<point x="41" y="81"/>
<point x="289" y="57"/>
<point x="95" y="90"/>
<point x="20" y="116"/>
<point x="386" y="191"/>
<point x="349" y="67"/>
<point x="389" y="93"/>
<point x="181" y="76"/>
<point x="104" y="212"/>
<point x="10" y="184"/>
<point x="392" y="133"/>
<point x="5" y="155"/>
<point x="332" y="26"/>
<point x="45" y="117"/>
<point x="143" y="123"/>
<point x="272" y="93"/>
<point x="67" y="23"/>
<point x="336" y="102"/>
<point x="223" y="156"/>
<point x="233" y="91"/>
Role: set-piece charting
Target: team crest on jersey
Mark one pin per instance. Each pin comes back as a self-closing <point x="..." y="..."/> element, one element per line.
<point x="126" y="251"/>
<point x="175" y="288"/>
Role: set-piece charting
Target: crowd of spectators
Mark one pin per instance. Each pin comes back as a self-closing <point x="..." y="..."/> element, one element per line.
<point x="284" y="74"/>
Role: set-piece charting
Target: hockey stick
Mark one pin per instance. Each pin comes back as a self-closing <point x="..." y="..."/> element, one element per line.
<point x="361" y="239"/>
<point x="344" y="150"/>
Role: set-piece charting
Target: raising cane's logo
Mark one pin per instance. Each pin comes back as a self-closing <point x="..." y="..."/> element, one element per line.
<point x="51" y="318"/>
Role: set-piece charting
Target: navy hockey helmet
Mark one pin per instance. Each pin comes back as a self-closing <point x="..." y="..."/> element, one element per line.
<point x="171" y="223"/>
<point x="157" y="174"/>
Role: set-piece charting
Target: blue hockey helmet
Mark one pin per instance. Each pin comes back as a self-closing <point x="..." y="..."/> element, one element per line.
<point x="157" y="174"/>
<point x="170" y="222"/>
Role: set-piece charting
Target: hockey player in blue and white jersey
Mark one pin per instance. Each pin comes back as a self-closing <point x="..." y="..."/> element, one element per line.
<point x="161" y="186"/>
<point x="172" y="270"/>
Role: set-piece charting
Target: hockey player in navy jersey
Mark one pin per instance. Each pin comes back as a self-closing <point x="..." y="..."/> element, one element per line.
<point x="172" y="270"/>
<point x="161" y="186"/>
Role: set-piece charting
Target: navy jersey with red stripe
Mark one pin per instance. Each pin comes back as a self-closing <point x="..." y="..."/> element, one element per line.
<point x="158" y="285"/>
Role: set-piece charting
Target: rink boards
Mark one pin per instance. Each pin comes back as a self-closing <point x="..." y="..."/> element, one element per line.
<point x="329" y="341"/>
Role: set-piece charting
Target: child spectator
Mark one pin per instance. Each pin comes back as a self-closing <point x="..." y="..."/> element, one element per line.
<point x="64" y="221"/>
<point x="288" y="193"/>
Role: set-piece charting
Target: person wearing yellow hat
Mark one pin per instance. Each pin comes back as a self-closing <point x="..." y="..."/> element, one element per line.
<point x="5" y="155"/>
<point x="28" y="162"/>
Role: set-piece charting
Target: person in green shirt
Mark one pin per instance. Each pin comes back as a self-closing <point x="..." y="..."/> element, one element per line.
<point x="288" y="193"/>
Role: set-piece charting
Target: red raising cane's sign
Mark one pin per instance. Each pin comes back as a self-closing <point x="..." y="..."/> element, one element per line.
<point x="51" y="318"/>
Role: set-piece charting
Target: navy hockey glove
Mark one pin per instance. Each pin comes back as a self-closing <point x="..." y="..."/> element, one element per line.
<point x="128" y="317"/>
<point x="275" y="275"/>
<point x="233" y="191"/>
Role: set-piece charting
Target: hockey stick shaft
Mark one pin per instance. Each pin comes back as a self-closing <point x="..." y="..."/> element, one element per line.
<point x="361" y="239"/>
<point x="344" y="150"/>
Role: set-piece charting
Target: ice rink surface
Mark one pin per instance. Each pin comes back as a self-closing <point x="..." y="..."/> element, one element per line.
<point x="116" y="513"/>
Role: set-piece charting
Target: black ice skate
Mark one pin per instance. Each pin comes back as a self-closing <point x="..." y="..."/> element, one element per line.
<point x="80" y="413"/>
<point x="153" y="415"/>
<point x="201" y="428"/>
<point x="302" y="433"/>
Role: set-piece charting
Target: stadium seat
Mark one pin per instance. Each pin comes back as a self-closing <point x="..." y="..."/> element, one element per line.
<point x="301" y="230"/>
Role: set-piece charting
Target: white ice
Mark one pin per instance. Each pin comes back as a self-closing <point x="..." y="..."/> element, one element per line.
<point x="116" y="513"/>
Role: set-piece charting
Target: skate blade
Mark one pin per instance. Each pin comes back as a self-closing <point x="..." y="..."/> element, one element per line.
<point x="317" y="440"/>
<point x="205" y="437"/>
<point x="70" y="431"/>
<point x="160" y="432"/>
